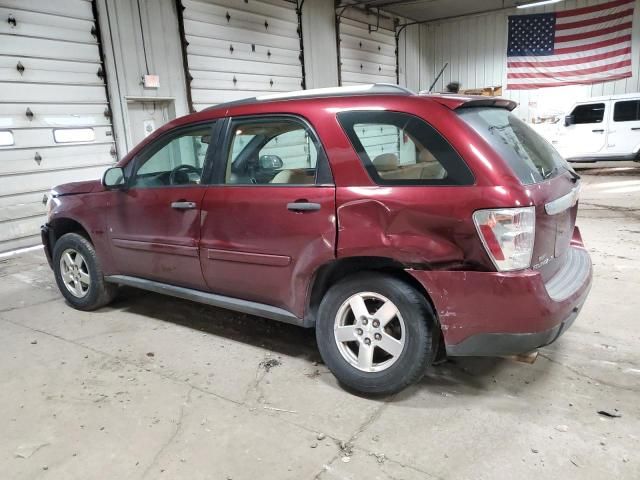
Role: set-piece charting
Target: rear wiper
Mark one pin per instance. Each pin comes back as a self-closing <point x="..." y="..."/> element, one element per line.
<point x="575" y="176"/>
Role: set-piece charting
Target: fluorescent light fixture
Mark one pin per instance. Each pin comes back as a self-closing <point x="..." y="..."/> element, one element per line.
<point x="539" y="3"/>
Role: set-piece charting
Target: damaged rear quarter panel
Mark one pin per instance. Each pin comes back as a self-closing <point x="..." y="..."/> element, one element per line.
<point x="414" y="225"/>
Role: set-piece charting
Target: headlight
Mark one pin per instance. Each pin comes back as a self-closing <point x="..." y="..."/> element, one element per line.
<point x="48" y="200"/>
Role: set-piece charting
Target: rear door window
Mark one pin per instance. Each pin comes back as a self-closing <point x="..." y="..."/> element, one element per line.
<point x="530" y="156"/>
<point x="590" y="113"/>
<point x="626" y="111"/>
<point x="401" y="149"/>
<point x="273" y="151"/>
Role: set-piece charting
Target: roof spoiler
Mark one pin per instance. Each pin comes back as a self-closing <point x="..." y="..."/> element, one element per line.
<point x="489" y="102"/>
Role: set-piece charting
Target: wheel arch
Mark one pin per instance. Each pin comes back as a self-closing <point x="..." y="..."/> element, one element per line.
<point x="62" y="225"/>
<point x="332" y="272"/>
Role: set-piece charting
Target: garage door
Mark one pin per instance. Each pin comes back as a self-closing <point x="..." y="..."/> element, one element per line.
<point x="367" y="51"/>
<point x="240" y="49"/>
<point x="54" y="120"/>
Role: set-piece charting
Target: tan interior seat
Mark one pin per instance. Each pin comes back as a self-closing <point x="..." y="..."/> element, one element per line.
<point x="293" y="177"/>
<point x="426" y="168"/>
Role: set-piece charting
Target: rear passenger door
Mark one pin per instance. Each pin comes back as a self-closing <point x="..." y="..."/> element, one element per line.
<point x="269" y="217"/>
<point x="624" y="133"/>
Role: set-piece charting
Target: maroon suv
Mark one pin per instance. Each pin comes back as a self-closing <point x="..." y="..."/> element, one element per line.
<point x="398" y="225"/>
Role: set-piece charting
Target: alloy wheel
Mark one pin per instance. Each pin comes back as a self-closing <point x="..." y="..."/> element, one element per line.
<point x="369" y="332"/>
<point x="75" y="273"/>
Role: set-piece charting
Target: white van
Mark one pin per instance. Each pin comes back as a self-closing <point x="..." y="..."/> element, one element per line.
<point x="601" y="128"/>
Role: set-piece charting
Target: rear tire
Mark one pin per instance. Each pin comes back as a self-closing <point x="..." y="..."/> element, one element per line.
<point x="79" y="275"/>
<point x="376" y="333"/>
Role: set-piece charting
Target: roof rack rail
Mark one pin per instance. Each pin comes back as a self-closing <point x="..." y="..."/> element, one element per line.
<point x="368" y="89"/>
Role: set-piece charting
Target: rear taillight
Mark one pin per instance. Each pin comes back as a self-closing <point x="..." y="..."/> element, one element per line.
<point x="508" y="235"/>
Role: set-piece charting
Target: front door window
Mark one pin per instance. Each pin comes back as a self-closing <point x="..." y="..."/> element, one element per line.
<point x="177" y="160"/>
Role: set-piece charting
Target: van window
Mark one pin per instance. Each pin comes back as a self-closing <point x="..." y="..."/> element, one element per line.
<point x="401" y="149"/>
<point x="590" y="113"/>
<point x="530" y="156"/>
<point x="626" y="111"/>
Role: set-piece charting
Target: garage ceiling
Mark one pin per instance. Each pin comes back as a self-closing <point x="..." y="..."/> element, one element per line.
<point x="425" y="10"/>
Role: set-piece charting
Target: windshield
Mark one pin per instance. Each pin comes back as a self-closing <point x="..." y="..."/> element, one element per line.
<point x="531" y="157"/>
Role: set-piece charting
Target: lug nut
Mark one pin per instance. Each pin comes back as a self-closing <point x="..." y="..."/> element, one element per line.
<point x="377" y="336"/>
<point x="365" y="321"/>
<point x="376" y="323"/>
<point x="367" y="341"/>
<point x="359" y="331"/>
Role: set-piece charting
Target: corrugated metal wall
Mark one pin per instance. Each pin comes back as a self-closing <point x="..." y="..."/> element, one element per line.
<point x="475" y="48"/>
<point x="53" y="109"/>
<point x="367" y="48"/>
<point x="240" y="49"/>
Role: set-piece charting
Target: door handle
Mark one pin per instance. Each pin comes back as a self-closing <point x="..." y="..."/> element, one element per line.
<point x="635" y="128"/>
<point x="600" y="130"/>
<point x="302" y="206"/>
<point x="183" y="205"/>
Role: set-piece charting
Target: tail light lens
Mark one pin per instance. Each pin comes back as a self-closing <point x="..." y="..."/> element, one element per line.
<point x="508" y="235"/>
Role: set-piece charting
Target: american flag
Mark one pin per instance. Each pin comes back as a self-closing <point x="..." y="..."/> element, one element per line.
<point x="583" y="45"/>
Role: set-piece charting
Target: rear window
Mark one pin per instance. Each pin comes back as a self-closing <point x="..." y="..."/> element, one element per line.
<point x="529" y="155"/>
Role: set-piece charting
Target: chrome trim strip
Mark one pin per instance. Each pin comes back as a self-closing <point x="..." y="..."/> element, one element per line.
<point x="563" y="203"/>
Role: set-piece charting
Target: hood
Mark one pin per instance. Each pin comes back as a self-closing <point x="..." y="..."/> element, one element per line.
<point x="75" y="188"/>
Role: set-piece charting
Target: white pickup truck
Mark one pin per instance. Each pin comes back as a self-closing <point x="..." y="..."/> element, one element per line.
<point x="601" y="128"/>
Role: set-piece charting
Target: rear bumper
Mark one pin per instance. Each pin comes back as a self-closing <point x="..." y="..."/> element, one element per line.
<point x="45" y="235"/>
<point x="493" y="314"/>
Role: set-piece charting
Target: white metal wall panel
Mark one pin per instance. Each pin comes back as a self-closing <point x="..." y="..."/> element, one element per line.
<point x="367" y="52"/>
<point x="50" y="78"/>
<point x="241" y="49"/>
<point x="475" y="48"/>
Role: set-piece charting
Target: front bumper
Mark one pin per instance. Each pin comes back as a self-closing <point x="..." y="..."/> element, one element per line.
<point x="494" y="314"/>
<point x="45" y="235"/>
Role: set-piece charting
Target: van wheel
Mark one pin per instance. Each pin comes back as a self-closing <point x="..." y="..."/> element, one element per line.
<point x="375" y="333"/>
<point x="79" y="274"/>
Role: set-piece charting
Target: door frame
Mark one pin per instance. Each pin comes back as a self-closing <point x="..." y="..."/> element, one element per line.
<point x="216" y="176"/>
<point x="211" y="157"/>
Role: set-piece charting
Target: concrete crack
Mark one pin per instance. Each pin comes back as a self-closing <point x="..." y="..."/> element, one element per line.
<point x="584" y="375"/>
<point x="20" y="307"/>
<point x="173" y="436"/>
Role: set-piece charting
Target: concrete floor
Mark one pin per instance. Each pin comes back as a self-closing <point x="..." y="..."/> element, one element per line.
<point x="154" y="387"/>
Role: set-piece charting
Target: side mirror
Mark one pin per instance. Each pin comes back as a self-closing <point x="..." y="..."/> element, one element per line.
<point x="569" y="120"/>
<point x="114" y="178"/>
<point x="271" y="162"/>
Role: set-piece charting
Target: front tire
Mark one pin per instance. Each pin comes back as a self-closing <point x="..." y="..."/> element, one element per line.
<point x="375" y="333"/>
<point x="79" y="275"/>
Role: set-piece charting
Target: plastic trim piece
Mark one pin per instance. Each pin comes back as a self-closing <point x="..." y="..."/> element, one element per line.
<point x="236" y="304"/>
<point x="571" y="276"/>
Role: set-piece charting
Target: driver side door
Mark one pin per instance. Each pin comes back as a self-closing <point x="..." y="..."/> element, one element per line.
<point x="154" y="224"/>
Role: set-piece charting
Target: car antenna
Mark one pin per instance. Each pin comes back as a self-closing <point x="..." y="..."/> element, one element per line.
<point x="438" y="77"/>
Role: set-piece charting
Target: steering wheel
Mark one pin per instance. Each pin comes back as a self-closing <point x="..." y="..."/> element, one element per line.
<point x="183" y="169"/>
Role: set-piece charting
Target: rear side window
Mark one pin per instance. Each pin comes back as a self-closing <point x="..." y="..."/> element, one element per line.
<point x="401" y="149"/>
<point x="627" y="111"/>
<point x="591" y="113"/>
<point x="272" y="151"/>
<point x="530" y="156"/>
